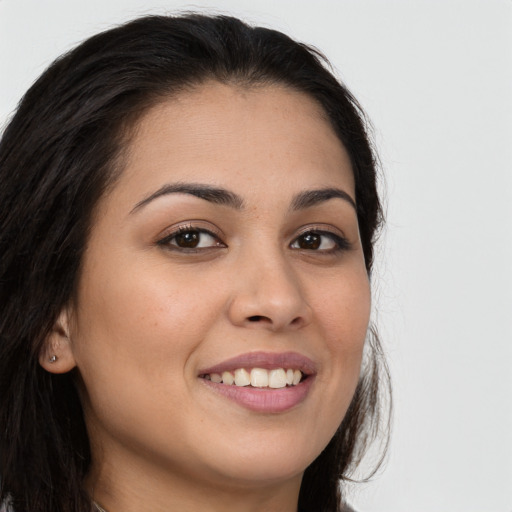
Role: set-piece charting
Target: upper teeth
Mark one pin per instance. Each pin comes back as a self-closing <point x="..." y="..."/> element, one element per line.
<point x="258" y="377"/>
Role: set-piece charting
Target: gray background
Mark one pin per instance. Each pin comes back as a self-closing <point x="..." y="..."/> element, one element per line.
<point x="436" y="79"/>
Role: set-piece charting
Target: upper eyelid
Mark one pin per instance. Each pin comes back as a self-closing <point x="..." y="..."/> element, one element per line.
<point x="320" y="228"/>
<point x="193" y="225"/>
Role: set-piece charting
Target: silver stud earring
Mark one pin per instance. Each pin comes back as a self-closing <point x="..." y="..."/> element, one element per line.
<point x="53" y="359"/>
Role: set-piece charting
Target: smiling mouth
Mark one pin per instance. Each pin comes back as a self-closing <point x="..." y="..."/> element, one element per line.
<point x="276" y="378"/>
<point x="262" y="382"/>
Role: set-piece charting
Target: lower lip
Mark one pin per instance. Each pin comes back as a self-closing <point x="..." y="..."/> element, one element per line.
<point x="265" y="400"/>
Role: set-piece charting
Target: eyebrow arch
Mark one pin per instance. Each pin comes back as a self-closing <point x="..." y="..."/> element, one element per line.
<point x="213" y="194"/>
<point x="310" y="198"/>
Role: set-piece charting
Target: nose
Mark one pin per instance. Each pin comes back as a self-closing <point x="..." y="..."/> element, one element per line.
<point x="268" y="295"/>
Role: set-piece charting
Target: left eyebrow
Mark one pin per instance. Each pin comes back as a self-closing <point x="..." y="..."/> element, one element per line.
<point x="311" y="198"/>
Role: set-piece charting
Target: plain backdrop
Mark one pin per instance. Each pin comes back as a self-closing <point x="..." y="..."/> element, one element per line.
<point x="436" y="79"/>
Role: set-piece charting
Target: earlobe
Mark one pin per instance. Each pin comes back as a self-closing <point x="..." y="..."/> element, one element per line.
<point x="56" y="355"/>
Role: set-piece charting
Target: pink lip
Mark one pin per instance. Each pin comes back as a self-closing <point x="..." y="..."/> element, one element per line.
<point x="264" y="400"/>
<point x="266" y="360"/>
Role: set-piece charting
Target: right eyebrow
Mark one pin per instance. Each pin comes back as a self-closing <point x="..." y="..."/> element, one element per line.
<point x="207" y="192"/>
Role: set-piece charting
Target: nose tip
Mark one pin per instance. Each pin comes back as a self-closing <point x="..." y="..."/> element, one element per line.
<point x="273" y="300"/>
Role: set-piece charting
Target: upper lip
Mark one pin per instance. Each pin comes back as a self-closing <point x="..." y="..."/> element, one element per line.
<point x="265" y="360"/>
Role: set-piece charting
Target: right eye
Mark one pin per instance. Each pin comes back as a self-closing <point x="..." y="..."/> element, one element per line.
<point x="191" y="239"/>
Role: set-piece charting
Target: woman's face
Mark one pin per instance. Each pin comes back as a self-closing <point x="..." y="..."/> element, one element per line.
<point x="229" y="243"/>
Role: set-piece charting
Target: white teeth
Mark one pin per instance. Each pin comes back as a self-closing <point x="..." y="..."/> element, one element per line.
<point x="227" y="378"/>
<point x="277" y="378"/>
<point x="242" y="377"/>
<point x="259" y="378"/>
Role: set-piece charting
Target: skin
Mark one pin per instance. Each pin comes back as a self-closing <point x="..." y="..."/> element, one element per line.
<point x="148" y="316"/>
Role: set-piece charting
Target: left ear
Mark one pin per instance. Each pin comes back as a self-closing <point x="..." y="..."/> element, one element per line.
<point x="56" y="356"/>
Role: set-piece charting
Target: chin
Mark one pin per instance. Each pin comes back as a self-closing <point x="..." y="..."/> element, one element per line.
<point x="267" y="461"/>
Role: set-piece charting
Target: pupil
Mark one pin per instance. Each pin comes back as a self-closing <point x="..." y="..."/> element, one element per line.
<point x="189" y="239"/>
<point x="310" y="241"/>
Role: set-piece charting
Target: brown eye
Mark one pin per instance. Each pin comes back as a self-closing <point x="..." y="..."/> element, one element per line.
<point x="309" y="241"/>
<point x="188" y="239"/>
<point x="320" y="241"/>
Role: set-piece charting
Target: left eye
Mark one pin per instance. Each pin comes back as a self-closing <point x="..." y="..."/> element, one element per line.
<point x="191" y="239"/>
<point x="318" y="241"/>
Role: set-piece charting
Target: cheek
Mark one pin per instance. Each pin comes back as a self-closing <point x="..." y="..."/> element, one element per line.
<point x="344" y="314"/>
<point x="133" y="338"/>
<point x="146" y="312"/>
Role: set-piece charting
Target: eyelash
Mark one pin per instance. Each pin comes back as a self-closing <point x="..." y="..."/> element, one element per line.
<point x="182" y="230"/>
<point x="341" y="243"/>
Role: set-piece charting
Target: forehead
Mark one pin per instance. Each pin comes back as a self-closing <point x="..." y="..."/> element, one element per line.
<point x="227" y="134"/>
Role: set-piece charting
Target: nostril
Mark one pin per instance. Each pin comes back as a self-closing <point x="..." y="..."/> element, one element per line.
<point x="256" y="318"/>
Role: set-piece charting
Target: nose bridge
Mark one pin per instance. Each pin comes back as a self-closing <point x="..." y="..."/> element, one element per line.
<point x="268" y="291"/>
<point x="273" y="278"/>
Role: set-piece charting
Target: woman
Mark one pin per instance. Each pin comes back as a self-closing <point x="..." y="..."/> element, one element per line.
<point x="188" y="213"/>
